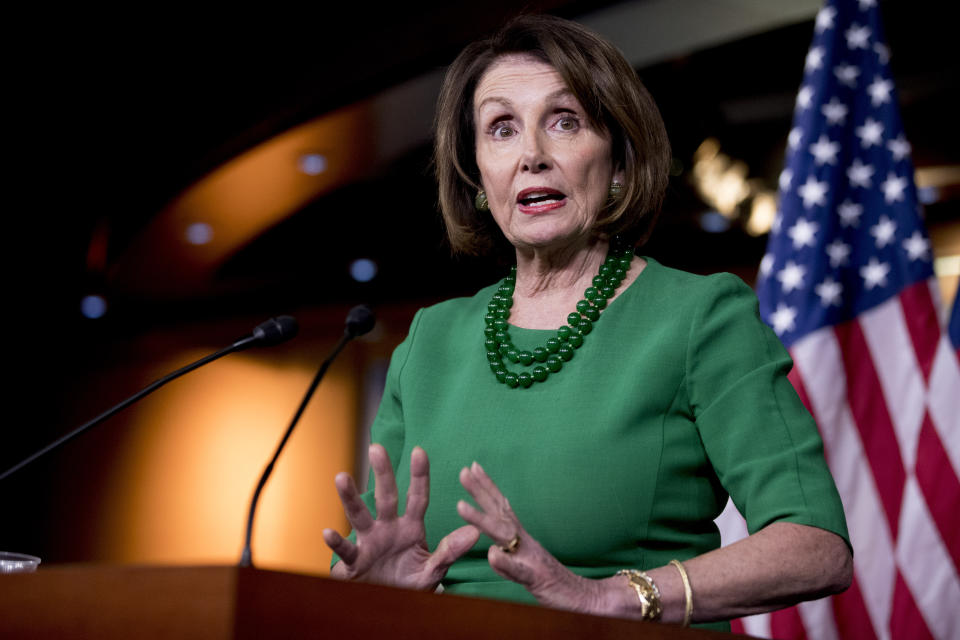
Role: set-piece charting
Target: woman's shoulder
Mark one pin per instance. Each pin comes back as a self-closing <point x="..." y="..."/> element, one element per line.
<point x="678" y="288"/>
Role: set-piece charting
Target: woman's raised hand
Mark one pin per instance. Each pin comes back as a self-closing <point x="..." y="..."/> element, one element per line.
<point x="392" y="549"/>
<point x="519" y="557"/>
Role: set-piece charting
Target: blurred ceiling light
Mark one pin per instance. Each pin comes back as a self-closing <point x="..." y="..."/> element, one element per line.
<point x="714" y="222"/>
<point x="928" y="195"/>
<point x="244" y="197"/>
<point x="199" y="233"/>
<point x="762" y="212"/>
<point x="720" y="180"/>
<point x="945" y="266"/>
<point x="944" y="176"/>
<point x="93" y="306"/>
<point x="363" y="270"/>
<point x="313" y="164"/>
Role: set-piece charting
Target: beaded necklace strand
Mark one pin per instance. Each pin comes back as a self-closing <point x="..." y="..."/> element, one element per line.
<point x="549" y="358"/>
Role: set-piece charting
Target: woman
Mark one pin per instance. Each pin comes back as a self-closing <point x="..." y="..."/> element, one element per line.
<point x="616" y="437"/>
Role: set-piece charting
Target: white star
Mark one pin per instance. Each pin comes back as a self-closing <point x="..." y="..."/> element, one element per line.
<point x="824" y="151"/>
<point x="766" y="264"/>
<point x="783" y="318"/>
<point x="838" y="252"/>
<point x="860" y="174"/>
<point x="870" y="133"/>
<point x="814" y="59"/>
<point x="883" y="231"/>
<point x="825" y="19"/>
<point x="899" y="147"/>
<point x="917" y="246"/>
<point x="829" y="291"/>
<point x="857" y="36"/>
<point x="850" y="213"/>
<point x="835" y="111"/>
<point x="786" y="177"/>
<point x="802" y="233"/>
<point x="813" y="192"/>
<point x="893" y="188"/>
<point x="804" y="96"/>
<point x="875" y="273"/>
<point x="794" y="137"/>
<point x="883" y="53"/>
<point x="791" y="276"/>
<point x="866" y="4"/>
<point x="847" y="74"/>
<point x="879" y="91"/>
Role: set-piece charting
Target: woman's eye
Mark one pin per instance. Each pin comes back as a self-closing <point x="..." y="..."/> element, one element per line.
<point x="567" y="124"/>
<point x="502" y="131"/>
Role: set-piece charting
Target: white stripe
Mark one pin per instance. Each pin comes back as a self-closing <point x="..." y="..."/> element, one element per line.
<point x="818" y="621"/>
<point x="757" y="626"/>
<point x="943" y="400"/>
<point x="819" y="362"/>
<point x="732" y="525"/>
<point x="888" y="338"/>
<point x="926" y="566"/>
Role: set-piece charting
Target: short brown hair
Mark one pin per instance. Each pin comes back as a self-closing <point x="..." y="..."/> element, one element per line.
<point x="605" y="85"/>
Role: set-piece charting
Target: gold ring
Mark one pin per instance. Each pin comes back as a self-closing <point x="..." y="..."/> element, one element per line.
<point x="511" y="546"/>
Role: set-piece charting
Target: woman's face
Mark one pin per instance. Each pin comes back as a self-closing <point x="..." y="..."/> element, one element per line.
<point x="546" y="171"/>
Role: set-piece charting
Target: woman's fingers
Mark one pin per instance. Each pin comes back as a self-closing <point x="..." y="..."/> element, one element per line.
<point x="385" y="489"/>
<point x="488" y="496"/>
<point x="495" y="517"/>
<point x="356" y="511"/>
<point x="418" y="495"/>
<point x="507" y="566"/>
<point x="341" y="546"/>
<point x="499" y="530"/>
<point x="452" y="546"/>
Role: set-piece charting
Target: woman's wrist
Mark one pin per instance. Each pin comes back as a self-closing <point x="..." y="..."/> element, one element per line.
<point x="618" y="597"/>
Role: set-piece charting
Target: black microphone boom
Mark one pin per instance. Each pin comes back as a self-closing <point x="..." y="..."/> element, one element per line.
<point x="360" y="320"/>
<point x="269" y="333"/>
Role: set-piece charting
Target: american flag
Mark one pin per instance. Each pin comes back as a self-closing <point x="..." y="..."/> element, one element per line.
<point x="847" y="283"/>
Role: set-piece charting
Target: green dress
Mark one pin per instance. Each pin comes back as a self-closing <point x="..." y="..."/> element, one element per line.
<point x="623" y="459"/>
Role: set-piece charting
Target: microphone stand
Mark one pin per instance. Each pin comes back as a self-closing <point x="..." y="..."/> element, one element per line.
<point x="359" y="321"/>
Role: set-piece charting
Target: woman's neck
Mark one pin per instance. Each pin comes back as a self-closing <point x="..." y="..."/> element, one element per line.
<point x="550" y="284"/>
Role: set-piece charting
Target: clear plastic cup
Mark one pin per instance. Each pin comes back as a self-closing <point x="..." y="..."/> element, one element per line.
<point x="17" y="562"/>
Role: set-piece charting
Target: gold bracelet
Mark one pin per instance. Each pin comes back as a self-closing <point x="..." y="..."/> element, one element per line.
<point x="687" y="592"/>
<point x="647" y="592"/>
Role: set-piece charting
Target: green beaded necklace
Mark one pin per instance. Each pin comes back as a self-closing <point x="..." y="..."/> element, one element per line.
<point x="557" y="350"/>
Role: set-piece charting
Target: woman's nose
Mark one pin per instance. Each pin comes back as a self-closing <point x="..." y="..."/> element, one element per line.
<point x="535" y="156"/>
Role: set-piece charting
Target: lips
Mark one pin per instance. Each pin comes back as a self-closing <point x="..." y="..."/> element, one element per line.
<point x="536" y="200"/>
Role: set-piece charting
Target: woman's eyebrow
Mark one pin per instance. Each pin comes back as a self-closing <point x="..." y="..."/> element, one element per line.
<point x="563" y="92"/>
<point x="502" y="101"/>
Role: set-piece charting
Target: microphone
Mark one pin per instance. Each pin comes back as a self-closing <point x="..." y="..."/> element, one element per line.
<point x="360" y="320"/>
<point x="267" y="334"/>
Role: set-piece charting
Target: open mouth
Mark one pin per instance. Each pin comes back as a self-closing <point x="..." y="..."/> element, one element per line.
<point x="540" y="199"/>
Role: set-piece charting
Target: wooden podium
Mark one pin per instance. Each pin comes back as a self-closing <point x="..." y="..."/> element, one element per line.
<point x="229" y="602"/>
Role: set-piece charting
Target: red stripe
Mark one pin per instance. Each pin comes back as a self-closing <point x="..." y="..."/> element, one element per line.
<point x="786" y="624"/>
<point x="865" y="398"/>
<point x="736" y="626"/>
<point x="940" y="488"/>
<point x="905" y="618"/>
<point x="850" y="614"/>
<point x="920" y="313"/>
<point x="797" y="381"/>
